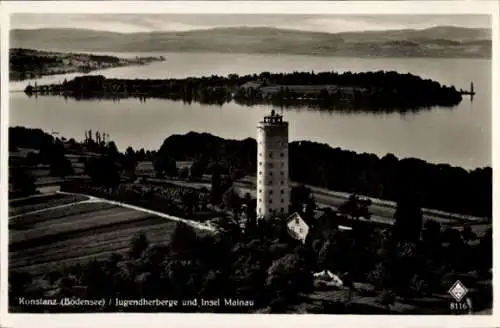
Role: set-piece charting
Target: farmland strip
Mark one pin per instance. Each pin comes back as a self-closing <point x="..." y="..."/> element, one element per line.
<point x="122" y="240"/>
<point x="56" y="213"/>
<point x="65" y="232"/>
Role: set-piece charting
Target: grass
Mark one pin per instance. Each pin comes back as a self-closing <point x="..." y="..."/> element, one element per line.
<point x="30" y="219"/>
<point x="69" y="225"/>
<point x="26" y="205"/>
<point x="60" y="237"/>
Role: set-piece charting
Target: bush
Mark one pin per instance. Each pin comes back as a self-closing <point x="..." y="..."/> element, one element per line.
<point x="387" y="298"/>
<point x="138" y="245"/>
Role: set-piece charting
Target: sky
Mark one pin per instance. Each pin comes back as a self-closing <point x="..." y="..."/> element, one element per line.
<point x="130" y="23"/>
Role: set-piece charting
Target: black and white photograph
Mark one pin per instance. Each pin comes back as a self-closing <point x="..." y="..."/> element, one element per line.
<point x="249" y="163"/>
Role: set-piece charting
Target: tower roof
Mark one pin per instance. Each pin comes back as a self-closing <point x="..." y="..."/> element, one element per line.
<point x="273" y="118"/>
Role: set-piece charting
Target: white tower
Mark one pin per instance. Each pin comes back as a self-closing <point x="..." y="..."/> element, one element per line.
<point x="273" y="193"/>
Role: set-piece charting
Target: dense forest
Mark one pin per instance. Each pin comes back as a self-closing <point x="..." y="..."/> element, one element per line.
<point x="376" y="91"/>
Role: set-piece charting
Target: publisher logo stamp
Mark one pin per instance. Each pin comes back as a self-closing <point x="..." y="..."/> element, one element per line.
<point x="458" y="291"/>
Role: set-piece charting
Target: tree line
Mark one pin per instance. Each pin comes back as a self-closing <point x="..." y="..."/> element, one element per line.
<point x="437" y="186"/>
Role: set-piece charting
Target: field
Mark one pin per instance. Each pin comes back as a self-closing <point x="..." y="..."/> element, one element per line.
<point x="56" y="236"/>
<point x="41" y="202"/>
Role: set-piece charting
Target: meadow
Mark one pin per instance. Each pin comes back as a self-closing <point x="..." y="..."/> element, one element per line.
<point x="58" y="237"/>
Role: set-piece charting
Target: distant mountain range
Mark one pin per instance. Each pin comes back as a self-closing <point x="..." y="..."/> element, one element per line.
<point x="442" y="41"/>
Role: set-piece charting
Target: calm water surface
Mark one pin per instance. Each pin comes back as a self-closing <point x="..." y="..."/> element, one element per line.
<point x="460" y="136"/>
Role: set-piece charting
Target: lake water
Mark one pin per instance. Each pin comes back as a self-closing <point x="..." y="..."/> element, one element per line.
<point x="459" y="136"/>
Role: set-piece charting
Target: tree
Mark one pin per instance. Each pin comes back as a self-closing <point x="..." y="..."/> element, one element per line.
<point x="355" y="208"/>
<point x="130" y="152"/>
<point x="190" y="200"/>
<point x="302" y="201"/>
<point x="138" y="245"/>
<point x="12" y="146"/>
<point x="112" y="150"/>
<point x="183" y="236"/>
<point x="104" y="171"/>
<point x="23" y="183"/>
<point x="61" y="166"/>
<point x="468" y="234"/>
<point x="387" y="298"/>
<point x="408" y="217"/>
<point x="286" y="277"/>
<point x="431" y="234"/>
<point x="216" y="188"/>
<point x="486" y="251"/>
<point x="129" y="161"/>
<point x="198" y="169"/>
<point x="32" y="159"/>
<point x="184" y="173"/>
<point x="232" y="200"/>
<point x="165" y="165"/>
<point x="141" y="155"/>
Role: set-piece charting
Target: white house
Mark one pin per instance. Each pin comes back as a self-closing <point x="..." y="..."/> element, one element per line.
<point x="297" y="228"/>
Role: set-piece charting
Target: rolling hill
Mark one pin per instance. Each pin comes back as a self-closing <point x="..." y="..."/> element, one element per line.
<point x="442" y="41"/>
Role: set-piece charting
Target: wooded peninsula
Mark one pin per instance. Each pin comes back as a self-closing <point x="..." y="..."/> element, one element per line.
<point x="29" y="63"/>
<point x="369" y="91"/>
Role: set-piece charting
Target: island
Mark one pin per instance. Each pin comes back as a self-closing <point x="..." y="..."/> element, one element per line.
<point x="31" y="64"/>
<point x="372" y="91"/>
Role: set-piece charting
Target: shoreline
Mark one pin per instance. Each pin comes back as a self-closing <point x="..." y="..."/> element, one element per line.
<point x="27" y="64"/>
<point x="305" y="54"/>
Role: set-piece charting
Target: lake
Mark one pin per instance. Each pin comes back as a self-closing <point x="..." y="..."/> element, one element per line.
<point x="459" y="136"/>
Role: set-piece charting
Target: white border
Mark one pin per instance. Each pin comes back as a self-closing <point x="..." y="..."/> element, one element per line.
<point x="491" y="7"/>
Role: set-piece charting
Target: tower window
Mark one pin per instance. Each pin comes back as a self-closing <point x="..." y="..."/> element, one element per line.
<point x="282" y="191"/>
<point x="270" y="154"/>
<point x="260" y="191"/>
<point x="270" y="192"/>
<point x="282" y="200"/>
<point x="260" y="200"/>
<point x="282" y="210"/>
<point x="260" y="173"/>
<point x="270" y="201"/>
<point x="260" y="163"/>
<point x="270" y="174"/>
<point x="282" y="155"/>
<point x="270" y="165"/>
<point x="282" y="182"/>
<point x="282" y="173"/>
